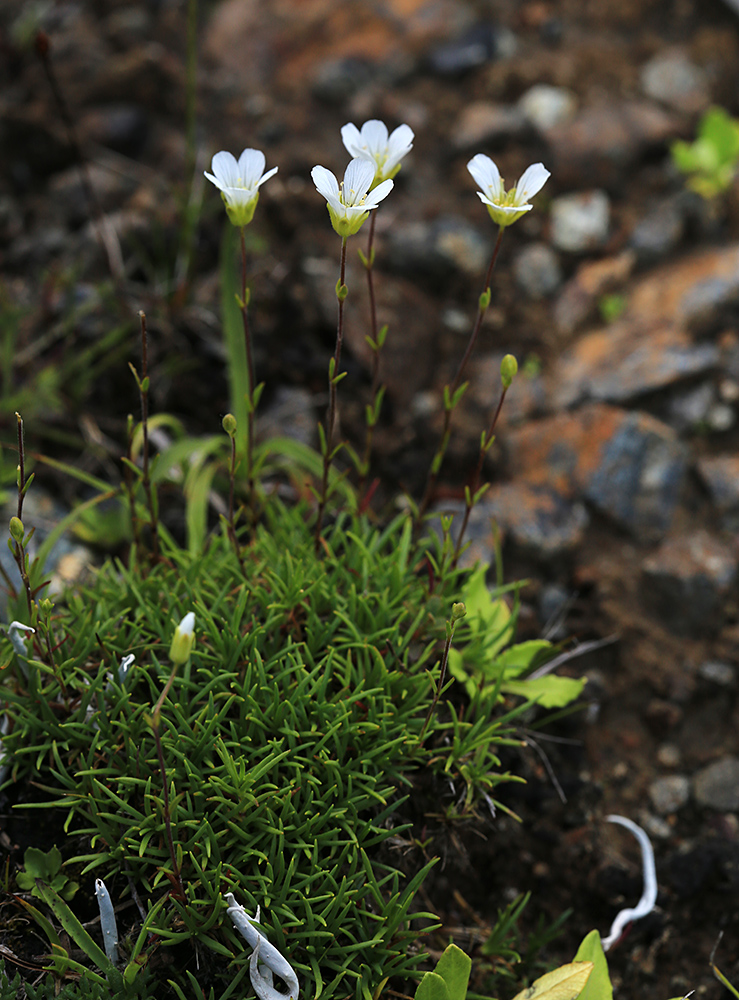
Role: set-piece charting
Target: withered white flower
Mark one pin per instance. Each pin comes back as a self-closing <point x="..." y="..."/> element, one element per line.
<point x="239" y="182"/>
<point x="265" y="959"/>
<point x="350" y="203"/>
<point x="505" y="207"/>
<point x="372" y="143"/>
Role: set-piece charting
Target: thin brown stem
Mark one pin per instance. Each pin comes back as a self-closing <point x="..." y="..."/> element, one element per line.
<point x="449" y="393"/>
<point x="328" y="443"/>
<point x="369" y="263"/>
<point x="474" y="485"/>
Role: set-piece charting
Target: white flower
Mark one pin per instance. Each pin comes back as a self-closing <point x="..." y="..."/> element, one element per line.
<point x="179" y="650"/>
<point x="350" y="203"/>
<point x="239" y="182"/>
<point x="373" y="144"/>
<point x="506" y="206"/>
<point x="265" y="959"/>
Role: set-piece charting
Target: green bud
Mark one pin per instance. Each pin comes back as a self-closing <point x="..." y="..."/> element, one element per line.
<point x="341" y="291"/>
<point x="182" y="642"/>
<point x="46" y="606"/>
<point x="458" y="611"/>
<point x="229" y="424"/>
<point x="485" y="300"/>
<point x="508" y="370"/>
<point x="17" y="530"/>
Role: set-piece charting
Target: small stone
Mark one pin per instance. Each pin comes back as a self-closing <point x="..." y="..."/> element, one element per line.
<point x="717" y="786"/>
<point x="720" y="417"/>
<point x="580" y="221"/>
<point x="483" y="122"/>
<point x="720" y="473"/>
<point x="478" y="45"/>
<point x="721" y="674"/>
<point x="537" y="271"/>
<point x="671" y="78"/>
<point x="687" y="581"/>
<point x="668" y="755"/>
<point x="546" y="106"/>
<point x="670" y="793"/>
<point x="688" y="410"/>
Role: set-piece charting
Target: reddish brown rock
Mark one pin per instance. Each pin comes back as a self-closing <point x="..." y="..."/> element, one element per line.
<point x="626" y="360"/>
<point x="629" y="465"/>
<point x="579" y="297"/>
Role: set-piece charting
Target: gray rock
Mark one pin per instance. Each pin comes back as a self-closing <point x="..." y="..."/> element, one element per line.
<point x="338" y="80"/>
<point x="537" y="271"/>
<point x="580" y="221"/>
<point x="689" y="409"/>
<point x="537" y="519"/>
<point x="717" y="786"/>
<point x="721" y="674"/>
<point x="627" y="360"/>
<point x="640" y="476"/>
<point x="687" y="581"/>
<point x="671" y="78"/>
<point x="291" y="414"/>
<point x="546" y="106"/>
<point x="669" y="794"/>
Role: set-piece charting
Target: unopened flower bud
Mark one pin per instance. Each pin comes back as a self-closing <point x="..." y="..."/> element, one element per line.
<point x="16" y="529"/>
<point x="508" y="370"/>
<point x="229" y="424"/>
<point x="458" y="611"/>
<point x="182" y="643"/>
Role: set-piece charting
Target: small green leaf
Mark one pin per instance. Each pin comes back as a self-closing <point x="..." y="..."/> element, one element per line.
<point x="598" y="986"/>
<point x="432" y="987"/>
<point x="454" y="968"/>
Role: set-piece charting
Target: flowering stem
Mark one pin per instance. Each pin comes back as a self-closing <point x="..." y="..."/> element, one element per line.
<point x="165" y="791"/>
<point x="327" y="443"/>
<point x="144" y="395"/>
<point x="19" y="548"/>
<point x="453" y="393"/>
<point x="458" y="611"/>
<point x="250" y="367"/>
<point x="471" y="494"/>
<point x="376" y="345"/>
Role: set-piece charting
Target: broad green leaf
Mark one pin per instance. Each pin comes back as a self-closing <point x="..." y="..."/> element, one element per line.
<point x="598" y="986"/>
<point x="520" y="657"/>
<point x="73" y="927"/>
<point x="454" y="968"/>
<point x="549" y="692"/>
<point x="432" y="987"/>
<point x="565" y="983"/>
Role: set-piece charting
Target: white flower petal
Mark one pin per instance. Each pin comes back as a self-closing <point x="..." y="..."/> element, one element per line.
<point x="399" y="143"/>
<point x="486" y="174"/>
<point x="352" y="139"/>
<point x="226" y="169"/>
<point x="251" y="168"/>
<point x="377" y="194"/>
<point x="266" y="177"/>
<point x="374" y="137"/>
<point x="357" y="179"/>
<point x="325" y="181"/>
<point x="531" y="181"/>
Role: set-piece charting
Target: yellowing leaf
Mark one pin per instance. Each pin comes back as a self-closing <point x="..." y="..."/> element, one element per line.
<point x="564" y="983"/>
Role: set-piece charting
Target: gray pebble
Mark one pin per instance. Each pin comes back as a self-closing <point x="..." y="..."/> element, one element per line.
<point x="717" y="786"/>
<point x="580" y="221"/>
